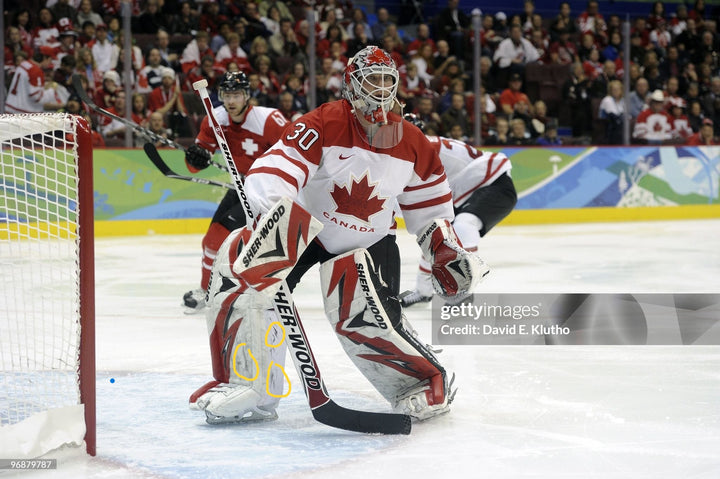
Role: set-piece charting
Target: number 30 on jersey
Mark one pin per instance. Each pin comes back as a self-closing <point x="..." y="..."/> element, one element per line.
<point x="307" y="136"/>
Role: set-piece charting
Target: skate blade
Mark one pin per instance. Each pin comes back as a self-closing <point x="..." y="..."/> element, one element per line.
<point x="250" y="417"/>
<point x="407" y="302"/>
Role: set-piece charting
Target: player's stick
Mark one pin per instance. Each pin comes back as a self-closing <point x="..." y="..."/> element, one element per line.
<point x="323" y="408"/>
<point x="152" y="153"/>
<point x="139" y="130"/>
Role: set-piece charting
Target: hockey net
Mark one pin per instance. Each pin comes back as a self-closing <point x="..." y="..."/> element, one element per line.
<point x="47" y="358"/>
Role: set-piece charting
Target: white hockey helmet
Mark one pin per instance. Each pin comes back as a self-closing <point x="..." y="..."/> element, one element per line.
<point x="370" y="84"/>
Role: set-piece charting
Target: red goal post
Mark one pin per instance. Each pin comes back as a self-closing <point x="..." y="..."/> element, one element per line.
<point x="47" y="304"/>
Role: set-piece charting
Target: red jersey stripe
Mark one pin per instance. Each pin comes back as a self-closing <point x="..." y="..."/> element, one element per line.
<point x="426" y="185"/>
<point x="428" y="203"/>
<point x="295" y="162"/>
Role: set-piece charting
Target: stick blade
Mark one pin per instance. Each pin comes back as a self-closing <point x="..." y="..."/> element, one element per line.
<point x="333" y="415"/>
<point x="154" y="156"/>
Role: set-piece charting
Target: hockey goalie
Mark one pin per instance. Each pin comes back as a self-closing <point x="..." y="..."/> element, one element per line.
<point x="326" y="193"/>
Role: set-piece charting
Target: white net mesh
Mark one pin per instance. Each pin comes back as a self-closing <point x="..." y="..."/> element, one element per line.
<point x="39" y="264"/>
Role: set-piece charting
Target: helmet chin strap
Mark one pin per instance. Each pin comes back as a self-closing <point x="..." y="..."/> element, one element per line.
<point x="385" y="118"/>
<point x="247" y="102"/>
<point x="358" y="103"/>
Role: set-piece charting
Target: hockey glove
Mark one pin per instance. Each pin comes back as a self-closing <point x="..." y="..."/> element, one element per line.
<point x="197" y="157"/>
<point x="455" y="271"/>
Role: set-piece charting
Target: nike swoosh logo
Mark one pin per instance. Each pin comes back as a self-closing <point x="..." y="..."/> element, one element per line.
<point x="345" y="157"/>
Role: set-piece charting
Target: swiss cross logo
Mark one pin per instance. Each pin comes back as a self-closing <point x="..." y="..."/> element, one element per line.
<point x="249" y="146"/>
<point x="358" y="199"/>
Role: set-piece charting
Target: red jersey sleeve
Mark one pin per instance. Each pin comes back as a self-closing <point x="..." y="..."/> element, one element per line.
<point x="155" y="99"/>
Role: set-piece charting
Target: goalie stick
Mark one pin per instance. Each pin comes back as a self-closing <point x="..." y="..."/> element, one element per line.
<point x="154" y="155"/>
<point x="323" y="408"/>
<point x="139" y="130"/>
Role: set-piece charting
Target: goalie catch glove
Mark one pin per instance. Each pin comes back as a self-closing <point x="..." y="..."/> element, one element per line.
<point x="197" y="157"/>
<point x="455" y="271"/>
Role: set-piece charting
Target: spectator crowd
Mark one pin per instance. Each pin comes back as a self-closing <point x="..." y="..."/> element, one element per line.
<point x="674" y="69"/>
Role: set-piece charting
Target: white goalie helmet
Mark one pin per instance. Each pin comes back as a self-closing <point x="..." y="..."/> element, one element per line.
<point x="370" y="84"/>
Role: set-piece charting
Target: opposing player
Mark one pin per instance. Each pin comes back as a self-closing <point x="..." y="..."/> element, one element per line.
<point x="250" y="130"/>
<point x="483" y="195"/>
<point x="347" y="163"/>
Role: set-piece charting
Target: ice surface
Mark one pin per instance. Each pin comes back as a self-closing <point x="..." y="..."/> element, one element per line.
<point x="537" y="411"/>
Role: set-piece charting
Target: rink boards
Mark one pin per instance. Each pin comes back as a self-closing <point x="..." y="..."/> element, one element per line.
<point x="558" y="185"/>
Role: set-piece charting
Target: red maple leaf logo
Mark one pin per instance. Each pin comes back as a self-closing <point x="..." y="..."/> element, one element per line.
<point x="358" y="200"/>
<point x="377" y="56"/>
<point x="657" y="127"/>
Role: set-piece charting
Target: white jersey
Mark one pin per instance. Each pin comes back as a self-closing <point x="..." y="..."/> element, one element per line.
<point x="45" y="37"/>
<point x="103" y="55"/>
<point x="323" y="161"/>
<point x="653" y="126"/>
<point x="468" y="168"/>
<point x="507" y="52"/>
<point x="681" y="127"/>
<point x="27" y="93"/>
<point x="149" y="78"/>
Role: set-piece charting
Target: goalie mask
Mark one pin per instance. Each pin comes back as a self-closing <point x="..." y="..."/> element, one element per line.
<point x="370" y="85"/>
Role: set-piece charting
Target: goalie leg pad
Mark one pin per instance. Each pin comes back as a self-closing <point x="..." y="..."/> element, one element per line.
<point x="455" y="271"/>
<point x="369" y="324"/>
<point x="277" y="242"/>
<point x="249" y="373"/>
<point x="252" y="374"/>
<point x="223" y="285"/>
